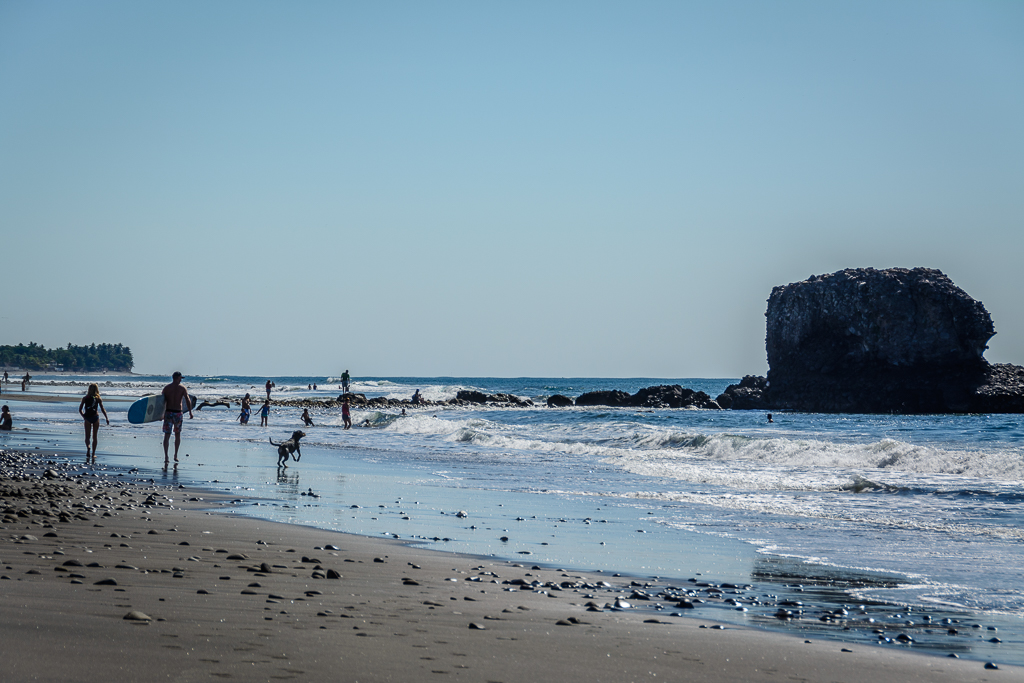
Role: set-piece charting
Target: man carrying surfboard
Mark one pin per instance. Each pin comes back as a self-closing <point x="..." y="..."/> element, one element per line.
<point x="174" y="393"/>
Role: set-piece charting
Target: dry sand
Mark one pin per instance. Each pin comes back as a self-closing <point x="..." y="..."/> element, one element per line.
<point x="224" y="597"/>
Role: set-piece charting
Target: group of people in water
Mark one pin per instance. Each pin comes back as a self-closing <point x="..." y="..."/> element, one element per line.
<point x="24" y="380"/>
<point x="243" y="417"/>
<point x="176" y="403"/>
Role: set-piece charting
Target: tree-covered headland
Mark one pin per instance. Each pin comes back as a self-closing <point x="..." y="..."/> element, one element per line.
<point x="92" y="358"/>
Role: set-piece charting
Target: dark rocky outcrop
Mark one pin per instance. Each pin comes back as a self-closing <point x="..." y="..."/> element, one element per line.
<point x="559" y="401"/>
<point x="469" y="396"/>
<point x="664" y="396"/>
<point x="672" y="396"/>
<point x="613" y="398"/>
<point x="1001" y="391"/>
<point x="865" y="340"/>
<point x="749" y="394"/>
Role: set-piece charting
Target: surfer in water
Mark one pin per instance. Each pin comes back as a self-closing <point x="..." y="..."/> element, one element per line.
<point x="90" y="409"/>
<point x="174" y="394"/>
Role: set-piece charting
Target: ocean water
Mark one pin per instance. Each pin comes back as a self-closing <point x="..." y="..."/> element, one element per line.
<point x="904" y="521"/>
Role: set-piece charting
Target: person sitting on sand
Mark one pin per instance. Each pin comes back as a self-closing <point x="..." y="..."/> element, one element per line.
<point x="243" y="417"/>
<point x="306" y="419"/>
<point x="6" y="421"/>
<point x="90" y="409"/>
<point x="264" y="413"/>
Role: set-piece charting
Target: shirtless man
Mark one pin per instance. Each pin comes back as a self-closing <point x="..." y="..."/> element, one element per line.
<point x="174" y="393"/>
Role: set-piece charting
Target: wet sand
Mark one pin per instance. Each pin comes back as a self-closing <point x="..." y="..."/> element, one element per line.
<point x="217" y="596"/>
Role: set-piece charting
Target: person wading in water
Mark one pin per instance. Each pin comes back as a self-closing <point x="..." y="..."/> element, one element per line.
<point x="174" y="393"/>
<point x="90" y="409"/>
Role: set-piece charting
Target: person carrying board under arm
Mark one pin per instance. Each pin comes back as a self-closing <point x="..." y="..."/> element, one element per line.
<point x="174" y="393"/>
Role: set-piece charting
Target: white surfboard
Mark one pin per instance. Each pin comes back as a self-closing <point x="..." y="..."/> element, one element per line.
<point x="150" y="409"/>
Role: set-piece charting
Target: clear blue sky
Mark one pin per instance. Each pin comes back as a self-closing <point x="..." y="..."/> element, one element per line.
<point x="493" y="188"/>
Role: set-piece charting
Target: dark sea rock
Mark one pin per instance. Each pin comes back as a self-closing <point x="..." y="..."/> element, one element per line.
<point x="671" y="396"/>
<point x="1001" y="391"/>
<point x="613" y="398"/>
<point x="664" y="396"/>
<point x="559" y="401"/>
<point x="749" y="394"/>
<point x="879" y="341"/>
<point x="478" y="397"/>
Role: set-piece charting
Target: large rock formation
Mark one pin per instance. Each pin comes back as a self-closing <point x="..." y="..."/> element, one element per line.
<point x="896" y="340"/>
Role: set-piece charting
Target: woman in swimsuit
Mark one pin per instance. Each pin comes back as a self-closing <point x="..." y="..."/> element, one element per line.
<point x="264" y="413"/>
<point x="89" y="409"/>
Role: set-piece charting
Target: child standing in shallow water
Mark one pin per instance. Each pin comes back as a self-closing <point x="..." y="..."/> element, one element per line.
<point x="264" y="413"/>
<point x="346" y="414"/>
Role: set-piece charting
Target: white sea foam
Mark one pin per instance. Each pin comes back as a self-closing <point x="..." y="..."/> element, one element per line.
<point x="698" y="457"/>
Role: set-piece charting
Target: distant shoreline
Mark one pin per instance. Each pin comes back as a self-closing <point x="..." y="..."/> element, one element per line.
<point x="64" y="373"/>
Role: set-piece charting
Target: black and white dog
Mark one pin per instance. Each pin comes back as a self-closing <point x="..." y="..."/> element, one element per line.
<point x="289" y="447"/>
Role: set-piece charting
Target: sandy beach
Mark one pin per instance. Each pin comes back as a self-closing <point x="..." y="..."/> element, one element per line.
<point x="107" y="580"/>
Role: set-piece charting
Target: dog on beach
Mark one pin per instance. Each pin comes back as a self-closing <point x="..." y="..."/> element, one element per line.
<point x="289" y="447"/>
